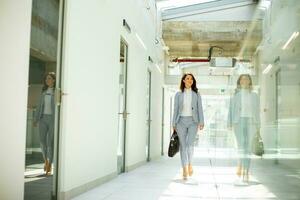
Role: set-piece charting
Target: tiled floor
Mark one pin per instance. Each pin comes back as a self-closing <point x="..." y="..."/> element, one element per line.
<point x="213" y="179"/>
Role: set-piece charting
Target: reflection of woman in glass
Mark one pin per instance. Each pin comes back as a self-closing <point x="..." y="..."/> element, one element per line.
<point x="45" y="117"/>
<point x="244" y="117"/>
<point x="187" y="118"/>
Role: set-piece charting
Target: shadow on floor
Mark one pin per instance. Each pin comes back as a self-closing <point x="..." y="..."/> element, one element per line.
<point x="38" y="186"/>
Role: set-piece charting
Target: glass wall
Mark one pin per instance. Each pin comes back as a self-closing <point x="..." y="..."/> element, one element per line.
<point x="40" y="174"/>
<point x="254" y="102"/>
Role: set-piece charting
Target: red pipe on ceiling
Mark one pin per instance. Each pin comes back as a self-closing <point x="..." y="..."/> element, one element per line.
<point x="190" y="60"/>
<point x="179" y="60"/>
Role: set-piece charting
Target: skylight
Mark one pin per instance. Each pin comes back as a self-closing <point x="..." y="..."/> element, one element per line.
<point x="168" y="4"/>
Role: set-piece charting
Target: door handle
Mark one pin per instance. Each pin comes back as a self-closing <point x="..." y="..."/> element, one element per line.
<point x="124" y="114"/>
<point x="58" y="95"/>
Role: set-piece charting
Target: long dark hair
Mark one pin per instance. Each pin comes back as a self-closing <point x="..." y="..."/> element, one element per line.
<point x="52" y="74"/>
<point x="238" y="83"/>
<point x="194" y="85"/>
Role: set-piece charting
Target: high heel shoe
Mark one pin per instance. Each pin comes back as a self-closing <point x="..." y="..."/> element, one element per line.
<point x="49" y="169"/>
<point x="185" y="173"/>
<point x="239" y="171"/>
<point x="191" y="171"/>
<point x="45" y="165"/>
<point x="246" y="177"/>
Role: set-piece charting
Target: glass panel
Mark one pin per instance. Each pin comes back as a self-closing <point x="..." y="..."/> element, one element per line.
<point x="40" y="165"/>
<point x="122" y="107"/>
<point x="254" y="100"/>
<point x="148" y="113"/>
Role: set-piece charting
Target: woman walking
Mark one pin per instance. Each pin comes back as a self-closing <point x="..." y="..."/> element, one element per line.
<point x="187" y="119"/>
<point x="44" y="116"/>
<point x="244" y="117"/>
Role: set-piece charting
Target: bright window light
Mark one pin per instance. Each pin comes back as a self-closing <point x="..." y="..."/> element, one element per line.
<point x="179" y="3"/>
<point x="293" y="37"/>
<point x="265" y="4"/>
<point x="141" y="41"/>
<point x="157" y="66"/>
<point x="267" y="69"/>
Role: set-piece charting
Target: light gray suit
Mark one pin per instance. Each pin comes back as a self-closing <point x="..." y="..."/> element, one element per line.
<point x="186" y="126"/>
<point x="197" y="110"/>
<point x="46" y="127"/>
<point x="40" y="107"/>
<point x="244" y="127"/>
<point x="235" y="107"/>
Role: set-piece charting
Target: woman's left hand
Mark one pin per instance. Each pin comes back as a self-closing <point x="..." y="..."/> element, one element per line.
<point x="201" y="126"/>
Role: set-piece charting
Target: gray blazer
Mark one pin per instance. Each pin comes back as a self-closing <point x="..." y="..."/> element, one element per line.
<point x="40" y="107"/>
<point x="197" y="111"/>
<point x="235" y="107"/>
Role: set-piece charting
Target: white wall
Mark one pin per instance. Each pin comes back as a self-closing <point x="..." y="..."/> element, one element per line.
<point x="90" y="79"/>
<point x="143" y="24"/>
<point x="15" y="18"/>
<point x="156" y="111"/>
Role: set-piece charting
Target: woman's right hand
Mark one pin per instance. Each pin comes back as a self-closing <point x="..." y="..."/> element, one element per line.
<point x="174" y="128"/>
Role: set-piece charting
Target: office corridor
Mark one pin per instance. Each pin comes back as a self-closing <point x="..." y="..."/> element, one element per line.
<point x="214" y="179"/>
<point x="92" y="91"/>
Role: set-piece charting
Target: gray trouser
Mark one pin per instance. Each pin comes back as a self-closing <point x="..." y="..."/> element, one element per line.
<point x="46" y="126"/>
<point x="186" y="130"/>
<point x="244" y="133"/>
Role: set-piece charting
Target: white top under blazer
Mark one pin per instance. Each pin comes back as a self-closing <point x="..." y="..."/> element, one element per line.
<point x="246" y="103"/>
<point x="187" y="103"/>
<point x="47" y="102"/>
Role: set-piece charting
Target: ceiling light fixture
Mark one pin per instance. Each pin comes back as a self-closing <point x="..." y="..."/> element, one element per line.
<point x="267" y="69"/>
<point x="141" y="41"/>
<point x="293" y="37"/>
<point x="157" y="66"/>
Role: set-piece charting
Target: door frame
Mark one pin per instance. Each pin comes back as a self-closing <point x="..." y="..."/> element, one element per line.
<point x="171" y="114"/>
<point x="149" y="115"/>
<point x="162" y="121"/>
<point x="277" y="138"/>
<point x="59" y="95"/>
<point x="125" y="113"/>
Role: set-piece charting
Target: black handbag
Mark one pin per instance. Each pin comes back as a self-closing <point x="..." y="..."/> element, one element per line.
<point x="258" y="145"/>
<point x="174" y="144"/>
